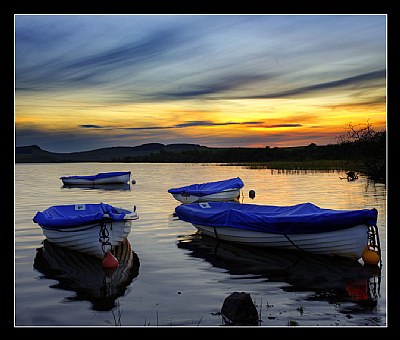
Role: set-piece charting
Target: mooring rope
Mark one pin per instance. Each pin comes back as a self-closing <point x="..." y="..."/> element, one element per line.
<point x="104" y="236"/>
<point x="287" y="237"/>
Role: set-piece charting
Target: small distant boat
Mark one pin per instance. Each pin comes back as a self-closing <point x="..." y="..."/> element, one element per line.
<point x="225" y="190"/>
<point x="84" y="274"/>
<point x="305" y="227"/>
<point x="100" y="178"/>
<point x="89" y="228"/>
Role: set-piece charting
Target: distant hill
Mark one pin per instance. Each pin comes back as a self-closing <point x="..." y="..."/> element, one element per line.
<point x="365" y="156"/>
<point x="34" y="154"/>
<point x="178" y="153"/>
<point x="192" y="153"/>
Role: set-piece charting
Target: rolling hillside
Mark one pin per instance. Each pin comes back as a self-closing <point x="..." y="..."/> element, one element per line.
<point x="34" y="154"/>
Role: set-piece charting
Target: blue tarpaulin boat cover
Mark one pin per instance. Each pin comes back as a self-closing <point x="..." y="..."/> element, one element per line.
<point x="99" y="175"/>
<point x="208" y="188"/>
<point x="297" y="219"/>
<point x="64" y="216"/>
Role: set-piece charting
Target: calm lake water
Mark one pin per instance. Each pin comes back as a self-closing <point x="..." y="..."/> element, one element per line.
<point x="176" y="277"/>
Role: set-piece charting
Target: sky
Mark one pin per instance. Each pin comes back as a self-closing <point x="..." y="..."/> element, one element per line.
<point x="84" y="82"/>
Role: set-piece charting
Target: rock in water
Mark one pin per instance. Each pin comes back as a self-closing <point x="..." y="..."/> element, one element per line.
<point x="239" y="309"/>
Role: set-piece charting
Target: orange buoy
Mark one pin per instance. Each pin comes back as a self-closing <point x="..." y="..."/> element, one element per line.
<point x="370" y="256"/>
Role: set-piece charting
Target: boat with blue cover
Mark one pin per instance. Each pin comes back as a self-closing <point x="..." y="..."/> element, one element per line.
<point x="93" y="228"/>
<point x="114" y="177"/>
<point x="305" y="226"/>
<point x="217" y="191"/>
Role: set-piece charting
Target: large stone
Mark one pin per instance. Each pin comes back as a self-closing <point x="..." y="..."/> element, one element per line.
<point x="239" y="309"/>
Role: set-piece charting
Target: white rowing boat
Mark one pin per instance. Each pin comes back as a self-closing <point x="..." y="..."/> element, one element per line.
<point x="100" y="178"/>
<point x="89" y="228"/>
<point x="218" y="191"/>
<point x="304" y="227"/>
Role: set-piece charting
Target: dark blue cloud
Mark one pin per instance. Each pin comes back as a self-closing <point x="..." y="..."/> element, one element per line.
<point x="109" y="66"/>
<point x="365" y="80"/>
<point x="209" y="87"/>
<point x="91" y="126"/>
<point x="210" y="123"/>
<point x="272" y="126"/>
<point x="358" y="80"/>
<point x="176" y="126"/>
<point x="157" y="58"/>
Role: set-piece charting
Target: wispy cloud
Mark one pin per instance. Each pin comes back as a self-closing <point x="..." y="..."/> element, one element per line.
<point x="215" y="88"/>
<point x="232" y="66"/>
<point x="273" y="126"/>
<point x="174" y="61"/>
<point x="210" y="123"/>
<point x="222" y="89"/>
<point x="358" y="80"/>
<point x="91" y="126"/>
<point x="98" y="68"/>
<point x="197" y="123"/>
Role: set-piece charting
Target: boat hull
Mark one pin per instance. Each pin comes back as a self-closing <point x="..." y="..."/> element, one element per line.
<point x="104" y="186"/>
<point x="349" y="242"/>
<point x="106" y="180"/>
<point x="85" y="238"/>
<point x="222" y="196"/>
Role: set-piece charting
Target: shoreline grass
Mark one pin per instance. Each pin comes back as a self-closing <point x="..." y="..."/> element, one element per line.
<point x="332" y="165"/>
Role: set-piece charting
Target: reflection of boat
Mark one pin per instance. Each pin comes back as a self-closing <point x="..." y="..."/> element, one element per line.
<point x="226" y="190"/>
<point x="100" y="178"/>
<point x="330" y="279"/>
<point x="88" y="228"/>
<point x="303" y="226"/>
<point x="115" y="186"/>
<point x="83" y="273"/>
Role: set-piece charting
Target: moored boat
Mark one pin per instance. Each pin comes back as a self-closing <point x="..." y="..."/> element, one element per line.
<point x="218" y="191"/>
<point x="89" y="228"/>
<point x="100" y="178"/>
<point x="305" y="227"/>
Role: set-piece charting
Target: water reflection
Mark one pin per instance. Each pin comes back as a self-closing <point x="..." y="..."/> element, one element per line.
<point x="335" y="280"/>
<point x="115" y="186"/>
<point x="83" y="273"/>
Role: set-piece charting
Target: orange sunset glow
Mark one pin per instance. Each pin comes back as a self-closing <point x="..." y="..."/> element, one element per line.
<point x="85" y="82"/>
